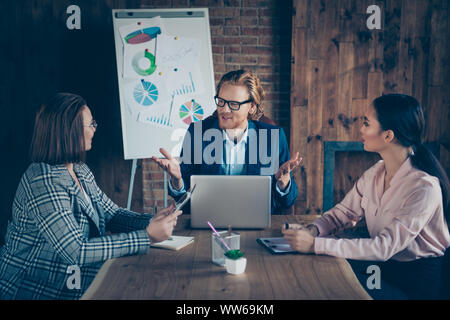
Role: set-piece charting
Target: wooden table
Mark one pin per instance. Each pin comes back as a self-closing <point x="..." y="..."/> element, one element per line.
<point x="189" y="274"/>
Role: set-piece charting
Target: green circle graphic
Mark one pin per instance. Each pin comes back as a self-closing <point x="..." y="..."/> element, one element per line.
<point x="135" y="63"/>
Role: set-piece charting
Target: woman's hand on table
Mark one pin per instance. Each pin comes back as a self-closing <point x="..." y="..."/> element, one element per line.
<point x="311" y="228"/>
<point x="300" y="238"/>
<point x="161" y="226"/>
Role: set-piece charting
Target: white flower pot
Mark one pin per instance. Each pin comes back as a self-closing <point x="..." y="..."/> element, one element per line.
<point x="235" y="266"/>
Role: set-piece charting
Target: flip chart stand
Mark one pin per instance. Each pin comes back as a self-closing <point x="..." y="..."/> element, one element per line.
<point x="130" y="188"/>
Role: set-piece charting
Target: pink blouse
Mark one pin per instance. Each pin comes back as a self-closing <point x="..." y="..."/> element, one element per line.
<point x="405" y="223"/>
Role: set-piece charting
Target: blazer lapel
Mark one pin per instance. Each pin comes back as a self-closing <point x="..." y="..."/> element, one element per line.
<point x="87" y="208"/>
<point x="215" y="168"/>
<point x="253" y="169"/>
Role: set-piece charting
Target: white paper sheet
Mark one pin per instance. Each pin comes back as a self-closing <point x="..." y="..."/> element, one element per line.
<point x="139" y="27"/>
<point x="177" y="51"/>
<point x="184" y="81"/>
<point x="146" y="93"/>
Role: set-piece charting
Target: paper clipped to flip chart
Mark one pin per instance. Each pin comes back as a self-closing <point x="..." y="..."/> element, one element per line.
<point x="165" y="76"/>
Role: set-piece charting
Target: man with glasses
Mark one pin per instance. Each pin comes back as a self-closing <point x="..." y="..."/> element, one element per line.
<point x="239" y="97"/>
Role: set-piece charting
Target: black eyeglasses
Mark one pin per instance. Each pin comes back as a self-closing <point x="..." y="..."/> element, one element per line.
<point x="93" y="125"/>
<point x="233" y="105"/>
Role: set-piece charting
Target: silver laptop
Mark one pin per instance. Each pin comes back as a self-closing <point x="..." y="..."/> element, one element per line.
<point x="244" y="202"/>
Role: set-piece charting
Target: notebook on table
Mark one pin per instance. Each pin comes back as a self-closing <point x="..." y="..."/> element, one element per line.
<point x="174" y="243"/>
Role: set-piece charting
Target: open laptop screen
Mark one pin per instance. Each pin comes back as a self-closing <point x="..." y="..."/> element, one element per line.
<point x="244" y="202"/>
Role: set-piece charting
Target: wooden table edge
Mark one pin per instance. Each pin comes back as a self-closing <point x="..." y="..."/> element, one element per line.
<point x="103" y="271"/>
<point x="98" y="280"/>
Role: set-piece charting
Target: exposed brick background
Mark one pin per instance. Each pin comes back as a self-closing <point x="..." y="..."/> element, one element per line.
<point x="410" y="55"/>
<point x="245" y="34"/>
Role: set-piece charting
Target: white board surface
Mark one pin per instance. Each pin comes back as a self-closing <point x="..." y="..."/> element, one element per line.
<point x="165" y="75"/>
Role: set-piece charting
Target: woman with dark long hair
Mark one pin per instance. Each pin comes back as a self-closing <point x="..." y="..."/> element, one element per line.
<point x="405" y="200"/>
<point x="56" y="240"/>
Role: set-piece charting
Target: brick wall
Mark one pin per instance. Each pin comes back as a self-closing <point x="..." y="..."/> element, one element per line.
<point x="245" y="34"/>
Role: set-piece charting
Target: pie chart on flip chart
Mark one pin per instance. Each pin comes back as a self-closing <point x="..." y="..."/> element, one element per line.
<point x="191" y="111"/>
<point x="144" y="63"/>
<point x="145" y="93"/>
<point x="142" y="35"/>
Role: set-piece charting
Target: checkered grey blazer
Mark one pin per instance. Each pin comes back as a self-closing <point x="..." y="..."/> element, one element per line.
<point x="54" y="227"/>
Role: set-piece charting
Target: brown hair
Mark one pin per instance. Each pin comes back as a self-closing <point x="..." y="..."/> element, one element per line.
<point x="58" y="136"/>
<point x="253" y="84"/>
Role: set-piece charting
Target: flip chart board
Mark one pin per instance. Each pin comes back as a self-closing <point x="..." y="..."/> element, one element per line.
<point x="165" y="75"/>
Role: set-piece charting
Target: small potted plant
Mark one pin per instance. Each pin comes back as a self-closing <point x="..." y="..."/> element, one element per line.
<point x="235" y="262"/>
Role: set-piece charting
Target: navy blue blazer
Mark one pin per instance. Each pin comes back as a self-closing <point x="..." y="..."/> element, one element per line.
<point x="252" y="167"/>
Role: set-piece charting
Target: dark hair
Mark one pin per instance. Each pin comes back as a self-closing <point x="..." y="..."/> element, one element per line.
<point x="404" y="116"/>
<point x="58" y="136"/>
<point x="253" y="84"/>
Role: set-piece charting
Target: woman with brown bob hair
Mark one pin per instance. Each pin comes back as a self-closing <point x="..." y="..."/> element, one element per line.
<point x="56" y="240"/>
